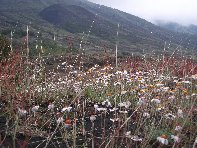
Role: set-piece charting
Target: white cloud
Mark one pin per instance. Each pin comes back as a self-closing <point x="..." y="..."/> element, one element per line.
<point x="180" y="11"/>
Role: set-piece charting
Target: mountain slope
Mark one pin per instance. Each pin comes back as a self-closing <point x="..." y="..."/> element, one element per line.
<point x="68" y="16"/>
<point x="77" y="19"/>
<point x="98" y="23"/>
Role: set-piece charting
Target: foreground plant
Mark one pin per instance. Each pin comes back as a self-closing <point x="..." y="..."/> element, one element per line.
<point x="102" y="106"/>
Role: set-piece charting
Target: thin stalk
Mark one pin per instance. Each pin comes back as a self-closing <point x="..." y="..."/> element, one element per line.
<point x="27" y="41"/>
<point x="51" y="136"/>
<point x="195" y="143"/>
<point x="122" y="126"/>
<point x="117" y="47"/>
<point x="0" y="90"/>
<point x="92" y="134"/>
<point x="115" y="108"/>
<point x="83" y="122"/>
<point x="74" y="132"/>
<point x="15" y="131"/>
<point x="11" y="35"/>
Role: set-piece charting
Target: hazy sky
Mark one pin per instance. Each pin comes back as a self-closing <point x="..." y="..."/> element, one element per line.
<point x="180" y="11"/>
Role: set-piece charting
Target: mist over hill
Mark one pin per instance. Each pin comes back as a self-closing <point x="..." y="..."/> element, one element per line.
<point x="191" y="29"/>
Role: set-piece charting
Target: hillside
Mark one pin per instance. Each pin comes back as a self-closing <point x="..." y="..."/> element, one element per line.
<point x="71" y="20"/>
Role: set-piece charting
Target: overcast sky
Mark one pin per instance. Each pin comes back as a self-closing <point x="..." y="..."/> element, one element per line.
<point x="180" y="11"/>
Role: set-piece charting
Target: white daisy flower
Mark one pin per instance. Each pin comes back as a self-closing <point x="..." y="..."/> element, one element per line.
<point x="175" y="138"/>
<point x="162" y="140"/>
<point x="92" y="118"/>
<point x="22" y="112"/>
